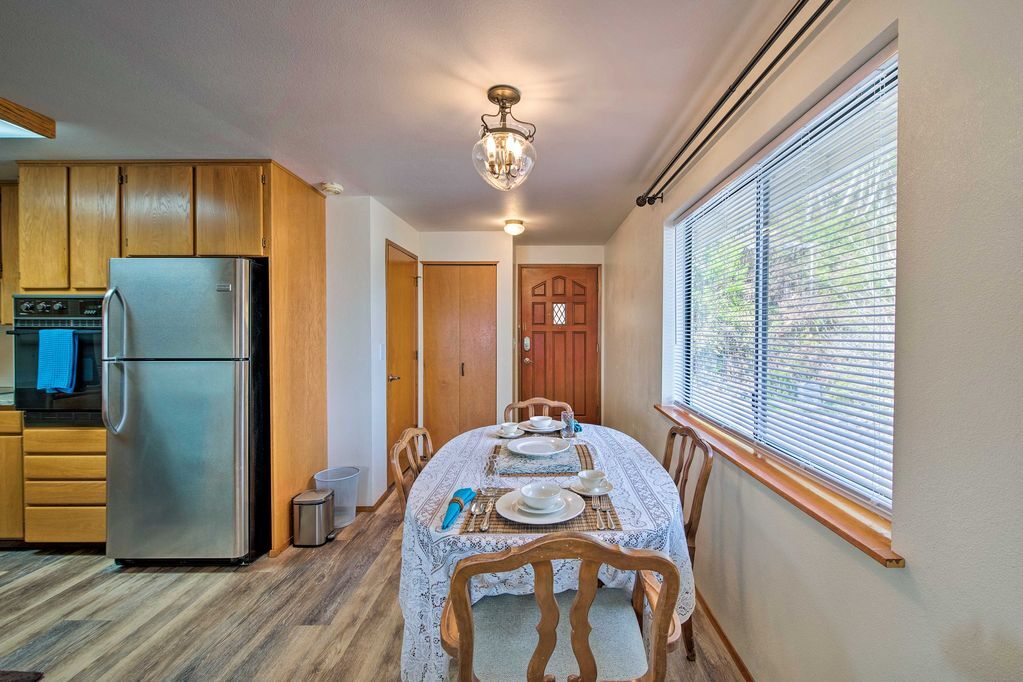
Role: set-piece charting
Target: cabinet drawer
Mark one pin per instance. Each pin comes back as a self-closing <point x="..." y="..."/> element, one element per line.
<point x="10" y="422"/>
<point x="57" y="493"/>
<point x="65" y="524"/>
<point x="60" y="441"/>
<point x="66" y="468"/>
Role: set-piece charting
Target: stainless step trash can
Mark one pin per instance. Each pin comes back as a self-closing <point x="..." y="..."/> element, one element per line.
<point x="312" y="514"/>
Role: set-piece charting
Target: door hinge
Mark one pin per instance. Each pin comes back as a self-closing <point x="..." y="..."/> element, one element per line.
<point x="265" y="242"/>
<point x="122" y="179"/>
<point x="262" y="178"/>
<point x="415" y="354"/>
<point x="415" y="280"/>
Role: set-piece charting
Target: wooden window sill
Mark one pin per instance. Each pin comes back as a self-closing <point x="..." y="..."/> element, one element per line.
<point x="858" y="525"/>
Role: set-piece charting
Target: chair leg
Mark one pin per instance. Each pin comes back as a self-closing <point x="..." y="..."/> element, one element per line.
<point x="687" y="638"/>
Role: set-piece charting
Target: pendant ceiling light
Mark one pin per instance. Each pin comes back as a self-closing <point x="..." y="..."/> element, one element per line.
<point x="504" y="154"/>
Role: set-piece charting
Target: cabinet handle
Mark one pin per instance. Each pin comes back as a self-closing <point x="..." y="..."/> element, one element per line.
<point x="463" y="369"/>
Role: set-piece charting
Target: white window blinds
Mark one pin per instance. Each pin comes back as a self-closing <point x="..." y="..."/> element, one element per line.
<point x="785" y="296"/>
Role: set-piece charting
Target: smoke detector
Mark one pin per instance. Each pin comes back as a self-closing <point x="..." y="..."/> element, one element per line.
<point x="331" y="187"/>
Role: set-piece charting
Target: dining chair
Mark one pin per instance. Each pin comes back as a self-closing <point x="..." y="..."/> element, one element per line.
<point x="582" y="633"/>
<point x="531" y="406"/>
<point x="692" y="451"/>
<point x="413" y="448"/>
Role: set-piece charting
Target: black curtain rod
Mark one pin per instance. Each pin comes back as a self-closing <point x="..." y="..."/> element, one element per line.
<point x="650" y="196"/>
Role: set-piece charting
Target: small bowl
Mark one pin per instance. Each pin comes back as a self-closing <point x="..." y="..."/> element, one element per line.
<point x="509" y="428"/>
<point x="540" y="421"/>
<point x="540" y="495"/>
<point x="591" y="479"/>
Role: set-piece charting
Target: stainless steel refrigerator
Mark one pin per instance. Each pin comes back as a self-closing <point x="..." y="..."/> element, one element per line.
<point x="185" y="401"/>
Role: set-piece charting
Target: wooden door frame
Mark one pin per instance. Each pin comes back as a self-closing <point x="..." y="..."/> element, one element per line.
<point x="517" y="373"/>
<point x="415" y="381"/>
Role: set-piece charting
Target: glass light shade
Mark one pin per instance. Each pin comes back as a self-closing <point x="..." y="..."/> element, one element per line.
<point x="514" y="227"/>
<point x="504" y="159"/>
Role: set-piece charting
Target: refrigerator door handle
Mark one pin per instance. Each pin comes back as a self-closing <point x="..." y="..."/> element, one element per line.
<point x="105" y="392"/>
<point x="105" y="318"/>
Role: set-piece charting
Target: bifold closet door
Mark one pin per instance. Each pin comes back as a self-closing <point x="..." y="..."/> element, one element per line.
<point x="459" y="349"/>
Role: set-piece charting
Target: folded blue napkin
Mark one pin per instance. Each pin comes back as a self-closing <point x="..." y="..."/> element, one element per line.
<point x="58" y="357"/>
<point x="459" y="501"/>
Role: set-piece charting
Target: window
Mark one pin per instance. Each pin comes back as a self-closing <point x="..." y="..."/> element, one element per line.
<point x="784" y="296"/>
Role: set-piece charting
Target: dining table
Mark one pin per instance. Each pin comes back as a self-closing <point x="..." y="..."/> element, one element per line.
<point x="645" y="501"/>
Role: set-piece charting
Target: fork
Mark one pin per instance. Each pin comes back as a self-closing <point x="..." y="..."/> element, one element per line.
<point x="605" y="506"/>
<point x="596" y="508"/>
<point x="475" y="509"/>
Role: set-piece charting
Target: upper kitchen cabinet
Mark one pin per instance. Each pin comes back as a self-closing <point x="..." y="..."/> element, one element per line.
<point x="8" y="251"/>
<point x="156" y="210"/>
<point x="229" y="210"/>
<point x="43" y="227"/>
<point x="95" y="232"/>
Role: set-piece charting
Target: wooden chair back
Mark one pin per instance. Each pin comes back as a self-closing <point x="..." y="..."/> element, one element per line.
<point x="413" y="449"/>
<point x="695" y="459"/>
<point x="536" y="406"/>
<point x="593" y="553"/>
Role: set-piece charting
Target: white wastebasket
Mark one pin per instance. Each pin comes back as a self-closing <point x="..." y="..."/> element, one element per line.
<point x="344" y="481"/>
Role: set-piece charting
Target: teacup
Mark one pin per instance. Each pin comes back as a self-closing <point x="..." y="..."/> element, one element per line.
<point x="509" y="428"/>
<point x="540" y="422"/>
<point x="540" y="495"/>
<point x="592" y="479"/>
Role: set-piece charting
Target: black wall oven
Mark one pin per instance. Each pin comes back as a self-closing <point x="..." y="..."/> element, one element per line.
<point x="82" y="314"/>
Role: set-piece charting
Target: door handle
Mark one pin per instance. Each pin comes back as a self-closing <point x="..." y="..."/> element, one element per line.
<point x="462" y="370"/>
<point x="527" y="361"/>
<point x="105" y="323"/>
<point x="105" y="396"/>
<point x="393" y="377"/>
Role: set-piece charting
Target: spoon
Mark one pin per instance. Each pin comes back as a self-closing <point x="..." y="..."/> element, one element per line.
<point x="475" y="509"/>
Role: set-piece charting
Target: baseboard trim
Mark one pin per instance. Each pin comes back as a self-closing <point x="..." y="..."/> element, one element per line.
<point x="376" y="505"/>
<point x="743" y="670"/>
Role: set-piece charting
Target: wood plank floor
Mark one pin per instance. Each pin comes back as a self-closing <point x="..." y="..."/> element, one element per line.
<point x="325" y="613"/>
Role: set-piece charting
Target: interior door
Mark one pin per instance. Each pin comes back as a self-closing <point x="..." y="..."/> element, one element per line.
<point x="459" y="348"/>
<point x="559" y="336"/>
<point x="402" y="343"/>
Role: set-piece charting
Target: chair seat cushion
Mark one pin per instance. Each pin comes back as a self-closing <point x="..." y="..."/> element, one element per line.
<point x="505" y="629"/>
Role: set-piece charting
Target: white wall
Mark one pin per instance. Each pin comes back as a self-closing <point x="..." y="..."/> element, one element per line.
<point x="487" y="247"/>
<point x="797" y="602"/>
<point x="357" y="230"/>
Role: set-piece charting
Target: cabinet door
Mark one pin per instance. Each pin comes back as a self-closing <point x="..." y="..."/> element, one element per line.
<point x="43" y="227"/>
<point x="11" y="505"/>
<point x="156" y="210"/>
<point x="95" y="232"/>
<point x="477" y="346"/>
<point x="229" y="210"/>
<point x="9" y="250"/>
<point x="441" y="363"/>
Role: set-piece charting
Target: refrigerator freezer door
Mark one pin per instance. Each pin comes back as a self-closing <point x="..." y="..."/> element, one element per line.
<point x="176" y="471"/>
<point x="194" y="308"/>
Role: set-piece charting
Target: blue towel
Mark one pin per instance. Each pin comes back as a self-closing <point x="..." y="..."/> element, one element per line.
<point x="459" y="501"/>
<point x="58" y="357"/>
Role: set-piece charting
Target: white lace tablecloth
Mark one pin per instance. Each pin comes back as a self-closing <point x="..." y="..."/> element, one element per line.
<point x="644" y="496"/>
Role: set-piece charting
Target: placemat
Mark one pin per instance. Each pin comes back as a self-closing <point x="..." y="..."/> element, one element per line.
<point x="587" y="521"/>
<point x="581" y="449"/>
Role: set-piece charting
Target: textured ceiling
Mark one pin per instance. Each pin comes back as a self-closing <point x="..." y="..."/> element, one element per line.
<point x="385" y="96"/>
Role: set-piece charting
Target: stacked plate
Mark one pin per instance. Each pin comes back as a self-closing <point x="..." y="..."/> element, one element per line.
<point x="540" y="503"/>
<point x="539" y="447"/>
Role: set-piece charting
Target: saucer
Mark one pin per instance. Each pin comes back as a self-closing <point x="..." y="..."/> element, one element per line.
<point x="516" y="434"/>
<point x="555" y="425"/>
<point x="576" y="486"/>
<point x="524" y="508"/>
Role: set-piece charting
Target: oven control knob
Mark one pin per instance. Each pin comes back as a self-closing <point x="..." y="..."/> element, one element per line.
<point x="27" y="307"/>
<point x="42" y="307"/>
<point x="58" y="307"/>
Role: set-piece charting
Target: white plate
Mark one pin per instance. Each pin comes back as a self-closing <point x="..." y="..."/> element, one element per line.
<point x="555" y="425"/>
<point x="508" y="507"/>
<point x="526" y="509"/>
<point x="518" y="432"/>
<point x="602" y="490"/>
<point x="539" y="447"/>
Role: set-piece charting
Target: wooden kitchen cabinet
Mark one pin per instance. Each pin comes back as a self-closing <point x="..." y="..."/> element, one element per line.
<point x="43" y="227"/>
<point x="95" y="231"/>
<point x="9" y="281"/>
<point x="229" y="210"/>
<point x="11" y="505"/>
<point x="156" y="210"/>
<point x="65" y="475"/>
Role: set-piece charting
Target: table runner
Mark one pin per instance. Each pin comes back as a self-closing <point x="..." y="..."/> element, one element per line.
<point x="587" y="521"/>
<point x="645" y="499"/>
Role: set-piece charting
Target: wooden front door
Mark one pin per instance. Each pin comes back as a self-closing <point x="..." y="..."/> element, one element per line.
<point x="559" y="339"/>
<point x="459" y="349"/>
<point x="402" y="344"/>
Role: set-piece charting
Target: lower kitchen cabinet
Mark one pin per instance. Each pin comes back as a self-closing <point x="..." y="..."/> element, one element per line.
<point x="65" y="485"/>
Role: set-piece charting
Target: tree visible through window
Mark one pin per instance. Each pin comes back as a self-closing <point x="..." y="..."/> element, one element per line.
<point x="785" y="295"/>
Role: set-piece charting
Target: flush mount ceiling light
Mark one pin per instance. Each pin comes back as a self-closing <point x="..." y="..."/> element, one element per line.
<point x="504" y="154"/>
<point x="514" y="227"/>
<point x="19" y="121"/>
